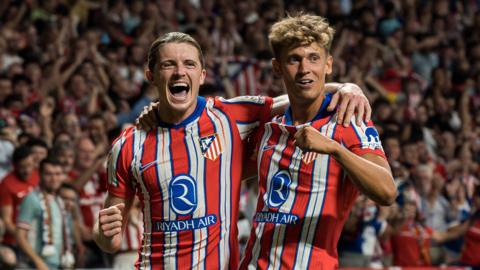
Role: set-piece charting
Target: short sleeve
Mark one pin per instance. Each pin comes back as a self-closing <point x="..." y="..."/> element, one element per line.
<point x="249" y="112"/>
<point x="119" y="164"/>
<point x="362" y="139"/>
<point x="29" y="210"/>
<point x="5" y="198"/>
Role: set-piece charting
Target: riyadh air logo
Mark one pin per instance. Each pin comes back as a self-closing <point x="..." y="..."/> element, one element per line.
<point x="373" y="138"/>
<point x="183" y="194"/>
<point x="211" y="146"/>
<point x="279" y="189"/>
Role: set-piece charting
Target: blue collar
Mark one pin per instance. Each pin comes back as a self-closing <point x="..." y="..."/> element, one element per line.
<point x="320" y="114"/>
<point x="201" y="103"/>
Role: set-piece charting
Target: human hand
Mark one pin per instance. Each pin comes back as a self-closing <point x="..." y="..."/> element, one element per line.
<point x="110" y="223"/>
<point x="351" y="99"/>
<point x="311" y="140"/>
<point x="148" y="118"/>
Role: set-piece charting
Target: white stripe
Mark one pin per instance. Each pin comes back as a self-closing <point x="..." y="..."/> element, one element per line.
<point x="315" y="204"/>
<point x="273" y="168"/>
<point x="280" y="229"/>
<point x="165" y="176"/>
<point x="224" y="135"/>
<point x="197" y="169"/>
<point x="259" y="231"/>
<point x="114" y="155"/>
<point x="146" y="251"/>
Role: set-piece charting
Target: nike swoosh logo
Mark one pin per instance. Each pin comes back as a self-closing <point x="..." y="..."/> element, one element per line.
<point x="268" y="147"/>
<point x="148" y="165"/>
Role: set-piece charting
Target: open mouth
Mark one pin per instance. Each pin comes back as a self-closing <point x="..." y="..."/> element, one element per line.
<point x="179" y="90"/>
<point x="304" y="82"/>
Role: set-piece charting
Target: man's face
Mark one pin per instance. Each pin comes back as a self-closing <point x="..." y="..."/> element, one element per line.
<point x="67" y="158"/>
<point x="303" y="70"/>
<point x="52" y="177"/>
<point x="69" y="198"/>
<point x="178" y="75"/>
<point x="85" y="154"/>
<point x="5" y="88"/>
<point x="39" y="153"/>
<point x="25" y="167"/>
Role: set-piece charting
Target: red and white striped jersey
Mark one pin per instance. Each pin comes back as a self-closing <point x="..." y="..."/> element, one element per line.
<point x="187" y="177"/>
<point x="304" y="198"/>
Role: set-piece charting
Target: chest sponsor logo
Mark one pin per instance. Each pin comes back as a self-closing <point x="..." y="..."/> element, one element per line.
<point x="373" y="138"/>
<point x="276" y="217"/>
<point x="279" y="189"/>
<point x="183" y="194"/>
<point x="211" y="146"/>
<point x="186" y="225"/>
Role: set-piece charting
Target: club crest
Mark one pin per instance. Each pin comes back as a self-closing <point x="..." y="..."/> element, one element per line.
<point x="308" y="157"/>
<point x="211" y="146"/>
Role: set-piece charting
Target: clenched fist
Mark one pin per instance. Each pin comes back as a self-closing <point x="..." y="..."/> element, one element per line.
<point x="110" y="221"/>
<point x="311" y="140"/>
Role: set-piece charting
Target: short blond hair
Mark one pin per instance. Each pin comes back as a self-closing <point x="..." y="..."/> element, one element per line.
<point x="300" y="30"/>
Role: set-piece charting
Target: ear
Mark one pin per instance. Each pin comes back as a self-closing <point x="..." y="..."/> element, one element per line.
<point x="203" y="75"/>
<point x="276" y="67"/>
<point x="329" y="65"/>
<point x="149" y="75"/>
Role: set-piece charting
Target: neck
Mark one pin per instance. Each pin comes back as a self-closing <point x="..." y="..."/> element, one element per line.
<point x="46" y="190"/>
<point x="170" y="116"/>
<point x="305" y="112"/>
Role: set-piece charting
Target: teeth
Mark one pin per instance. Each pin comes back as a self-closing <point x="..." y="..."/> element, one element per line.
<point x="305" y="81"/>
<point x="180" y="84"/>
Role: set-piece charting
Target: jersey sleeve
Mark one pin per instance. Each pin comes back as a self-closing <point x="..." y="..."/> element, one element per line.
<point x="5" y="198"/>
<point x="249" y="112"/>
<point x="362" y="139"/>
<point x="28" y="211"/>
<point x="119" y="166"/>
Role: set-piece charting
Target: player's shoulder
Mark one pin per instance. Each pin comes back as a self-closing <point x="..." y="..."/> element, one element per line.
<point x="129" y="133"/>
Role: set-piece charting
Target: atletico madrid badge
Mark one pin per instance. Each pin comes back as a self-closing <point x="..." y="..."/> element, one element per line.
<point x="211" y="146"/>
<point x="308" y="157"/>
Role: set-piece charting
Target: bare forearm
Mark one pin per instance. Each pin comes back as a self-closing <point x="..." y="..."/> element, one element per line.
<point x="373" y="180"/>
<point x="26" y="247"/>
<point x="7" y="219"/>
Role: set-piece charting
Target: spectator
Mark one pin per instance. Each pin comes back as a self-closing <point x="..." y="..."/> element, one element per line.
<point x="43" y="218"/>
<point x="13" y="189"/>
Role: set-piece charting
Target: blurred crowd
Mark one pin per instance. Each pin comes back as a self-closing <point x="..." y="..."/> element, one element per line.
<point x="71" y="78"/>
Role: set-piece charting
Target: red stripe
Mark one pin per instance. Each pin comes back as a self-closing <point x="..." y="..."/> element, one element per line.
<point x="150" y="180"/>
<point x="212" y="198"/>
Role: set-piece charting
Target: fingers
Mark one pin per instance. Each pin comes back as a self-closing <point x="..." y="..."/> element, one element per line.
<point x="147" y="119"/>
<point x="110" y="220"/>
<point x="341" y="110"/>
<point x="333" y="101"/>
<point x="368" y="112"/>
<point x="360" y="112"/>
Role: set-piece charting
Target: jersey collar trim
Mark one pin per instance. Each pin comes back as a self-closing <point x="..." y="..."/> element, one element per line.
<point x="201" y="103"/>
<point x="321" y="113"/>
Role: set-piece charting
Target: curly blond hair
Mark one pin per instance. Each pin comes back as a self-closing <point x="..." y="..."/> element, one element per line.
<point x="300" y="30"/>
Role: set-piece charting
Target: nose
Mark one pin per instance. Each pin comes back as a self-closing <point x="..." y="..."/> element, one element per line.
<point x="180" y="70"/>
<point x="303" y="67"/>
